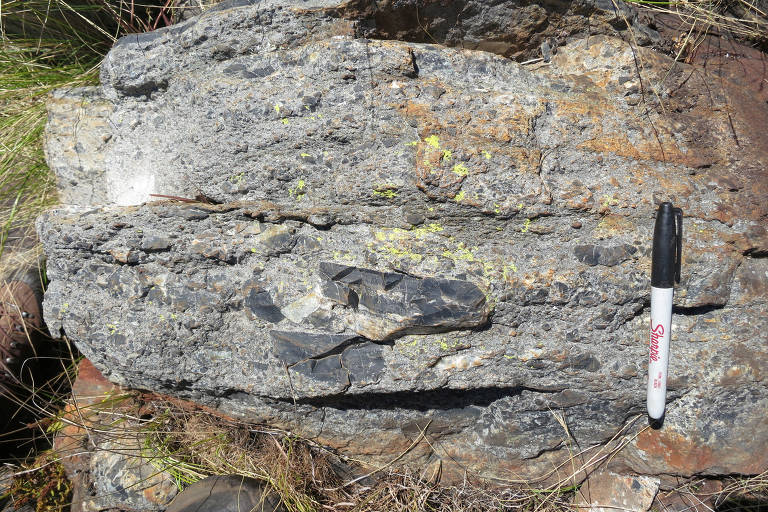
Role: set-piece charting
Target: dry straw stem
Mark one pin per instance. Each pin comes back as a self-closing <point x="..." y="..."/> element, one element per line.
<point x="189" y="445"/>
<point x="742" y="18"/>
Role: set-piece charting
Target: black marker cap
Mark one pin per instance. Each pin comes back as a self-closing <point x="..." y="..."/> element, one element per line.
<point x="667" y="243"/>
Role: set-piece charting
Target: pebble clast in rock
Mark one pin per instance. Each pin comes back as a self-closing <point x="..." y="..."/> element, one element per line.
<point x="329" y="359"/>
<point x="380" y="306"/>
<point x="389" y="305"/>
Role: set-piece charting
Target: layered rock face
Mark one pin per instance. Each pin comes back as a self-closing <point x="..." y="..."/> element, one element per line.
<point x="412" y="252"/>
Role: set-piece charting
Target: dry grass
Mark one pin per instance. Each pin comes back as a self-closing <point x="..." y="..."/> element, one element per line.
<point x="740" y="18"/>
<point x="189" y="445"/>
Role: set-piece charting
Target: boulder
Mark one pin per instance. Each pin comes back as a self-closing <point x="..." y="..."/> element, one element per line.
<point x="416" y="253"/>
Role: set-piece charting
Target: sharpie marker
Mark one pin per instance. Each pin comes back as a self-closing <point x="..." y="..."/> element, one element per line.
<point x="665" y="272"/>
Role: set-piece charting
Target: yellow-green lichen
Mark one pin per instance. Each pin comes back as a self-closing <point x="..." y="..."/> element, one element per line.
<point x="347" y="256"/>
<point x="486" y="154"/>
<point x="403" y="243"/>
<point x="432" y="227"/>
<point x="433" y="141"/>
<point x="461" y="252"/>
<point x="449" y="343"/>
<point x="447" y="155"/>
<point x="298" y="192"/>
<point x="460" y="170"/>
<point x="387" y="191"/>
<point x="508" y="267"/>
<point x="608" y="200"/>
<point x="526" y="226"/>
<point x="460" y="196"/>
<point x="387" y="194"/>
<point x="403" y="253"/>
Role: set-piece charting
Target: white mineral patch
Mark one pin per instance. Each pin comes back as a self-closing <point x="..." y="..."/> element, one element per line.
<point x="126" y="190"/>
<point x="458" y="362"/>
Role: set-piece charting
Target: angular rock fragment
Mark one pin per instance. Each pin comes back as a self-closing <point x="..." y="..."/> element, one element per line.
<point x="602" y="255"/>
<point x="259" y="302"/>
<point x="293" y="347"/>
<point x="388" y="305"/>
<point x="319" y="376"/>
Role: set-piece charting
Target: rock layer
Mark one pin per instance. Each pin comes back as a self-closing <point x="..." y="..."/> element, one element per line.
<point x="398" y="242"/>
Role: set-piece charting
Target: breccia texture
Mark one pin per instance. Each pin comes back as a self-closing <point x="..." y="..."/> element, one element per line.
<point x="412" y="252"/>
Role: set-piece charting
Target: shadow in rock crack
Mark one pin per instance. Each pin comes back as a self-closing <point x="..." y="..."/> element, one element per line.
<point x="440" y="399"/>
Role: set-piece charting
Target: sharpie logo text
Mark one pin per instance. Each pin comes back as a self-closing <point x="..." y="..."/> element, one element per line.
<point x="656" y="334"/>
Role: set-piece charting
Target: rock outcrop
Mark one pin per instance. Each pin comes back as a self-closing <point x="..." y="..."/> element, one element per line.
<point x="391" y="243"/>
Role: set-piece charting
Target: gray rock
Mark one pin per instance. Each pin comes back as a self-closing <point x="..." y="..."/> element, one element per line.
<point x="314" y="296"/>
<point x="231" y="493"/>
<point x="121" y="480"/>
<point x="76" y="137"/>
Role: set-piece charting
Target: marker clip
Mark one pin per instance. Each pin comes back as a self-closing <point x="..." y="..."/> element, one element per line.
<point x="679" y="237"/>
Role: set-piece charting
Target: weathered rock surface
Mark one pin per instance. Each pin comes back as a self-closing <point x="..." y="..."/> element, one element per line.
<point x="605" y="491"/>
<point x="414" y="241"/>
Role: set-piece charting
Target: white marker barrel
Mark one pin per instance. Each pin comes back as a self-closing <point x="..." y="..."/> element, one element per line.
<point x="658" y="361"/>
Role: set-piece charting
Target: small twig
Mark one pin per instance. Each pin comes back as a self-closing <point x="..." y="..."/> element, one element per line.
<point x="175" y="198"/>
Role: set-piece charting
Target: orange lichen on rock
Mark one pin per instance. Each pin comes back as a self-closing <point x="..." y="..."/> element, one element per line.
<point x="677" y="451"/>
